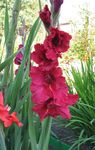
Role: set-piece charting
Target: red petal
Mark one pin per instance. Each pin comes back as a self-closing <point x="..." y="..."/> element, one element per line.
<point x="72" y="99"/>
<point x="1" y="99"/>
<point x="65" y="113"/>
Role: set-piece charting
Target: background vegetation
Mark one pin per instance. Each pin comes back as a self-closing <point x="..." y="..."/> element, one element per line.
<point x="83" y="80"/>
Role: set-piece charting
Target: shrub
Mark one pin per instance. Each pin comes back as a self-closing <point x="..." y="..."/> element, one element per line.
<point x="83" y="114"/>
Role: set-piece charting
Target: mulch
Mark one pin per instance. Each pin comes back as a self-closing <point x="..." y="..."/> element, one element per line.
<point x="67" y="136"/>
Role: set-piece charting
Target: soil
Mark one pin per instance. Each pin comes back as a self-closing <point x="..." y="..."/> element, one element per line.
<point x="67" y="136"/>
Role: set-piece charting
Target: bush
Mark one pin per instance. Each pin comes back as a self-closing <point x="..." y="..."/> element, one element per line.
<point x="83" y="114"/>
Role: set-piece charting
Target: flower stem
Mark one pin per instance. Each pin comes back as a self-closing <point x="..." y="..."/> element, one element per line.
<point x="11" y="38"/>
<point x="2" y="139"/>
<point x="45" y="134"/>
<point x="40" y="7"/>
<point x="32" y="133"/>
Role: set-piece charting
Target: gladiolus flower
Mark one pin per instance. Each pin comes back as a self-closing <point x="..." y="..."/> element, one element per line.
<point x="19" y="56"/>
<point x="47" y="83"/>
<point x="56" y="42"/>
<point x="12" y="118"/>
<point x="39" y="56"/>
<point x="45" y="16"/>
<point x="5" y="117"/>
<point x="50" y="108"/>
<point x="50" y="93"/>
<point x="20" y="46"/>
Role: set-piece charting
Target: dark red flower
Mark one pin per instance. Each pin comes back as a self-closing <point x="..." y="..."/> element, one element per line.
<point x="57" y="5"/>
<point x="52" y="107"/>
<point x="45" y="16"/>
<point x="18" y="58"/>
<point x="57" y="42"/>
<point x="39" y="56"/>
<point x="49" y="108"/>
<point x="20" y="46"/>
<point x="40" y="91"/>
<point x="71" y="99"/>
<point x="47" y="83"/>
<point x="5" y="117"/>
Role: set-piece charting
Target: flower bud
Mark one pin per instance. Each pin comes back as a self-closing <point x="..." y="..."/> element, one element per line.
<point x="57" y="5"/>
<point x="45" y="16"/>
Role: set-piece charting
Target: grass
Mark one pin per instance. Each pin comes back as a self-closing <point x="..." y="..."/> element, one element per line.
<point x="83" y="113"/>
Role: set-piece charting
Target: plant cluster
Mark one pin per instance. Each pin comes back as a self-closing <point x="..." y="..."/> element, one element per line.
<point x="83" y="114"/>
<point x="83" y="42"/>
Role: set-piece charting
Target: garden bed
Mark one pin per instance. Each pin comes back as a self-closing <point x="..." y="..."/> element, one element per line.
<point x="67" y="136"/>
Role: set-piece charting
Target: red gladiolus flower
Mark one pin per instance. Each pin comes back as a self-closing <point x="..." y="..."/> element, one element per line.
<point x="71" y="99"/>
<point x="56" y="42"/>
<point x="57" y="5"/>
<point x="1" y="98"/>
<point x="3" y="110"/>
<point x="45" y="16"/>
<point x="50" y="108"/>
<point x="39" y="56"/>
<point x="20" y="46"/>
<point x="46" y="84"/>
<point x="18" y="58"/>
<point x="12" y="118"/>
<point x="49" y="89"/>
<point x="5" y="117"/>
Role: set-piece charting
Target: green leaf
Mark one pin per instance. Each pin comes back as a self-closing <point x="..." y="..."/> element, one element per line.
<point x="32" y="35"/>
<point x="11" y="38"/>
<point x="7" y="61"/>
<point x="45" y="134"/>
<point x="20" y="103"/>
<point x="6" y="26"/>
<point x="2" y="139"/>
<point x="17" y="144"/>
<point x="20" y="75"/>
<point x="40" y="6"/>
<point x="31" y="127"/>
<point x="25" y="144"/>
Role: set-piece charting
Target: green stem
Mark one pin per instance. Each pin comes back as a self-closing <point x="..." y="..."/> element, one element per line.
<point x="45" y="134"/>
<point x="11" y="35"/>
<point x="40" y="7"/>
<point x="32" y="133"/>
<point x="2" y="139"/>
<point x="11" y="38"/>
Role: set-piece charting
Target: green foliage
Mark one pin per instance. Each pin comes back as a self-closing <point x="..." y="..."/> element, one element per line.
<point x="16" y="88"/>
<point x="17" y="91"/>
<point x="2" y="139"/>
<point x="83" y="113"/>
<point x="17" y="95"/>
<point x="29" y="12"/>
<point x="6" y="29"/>
<point x="84" y="40"/>
<point x="7" y="61"/>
